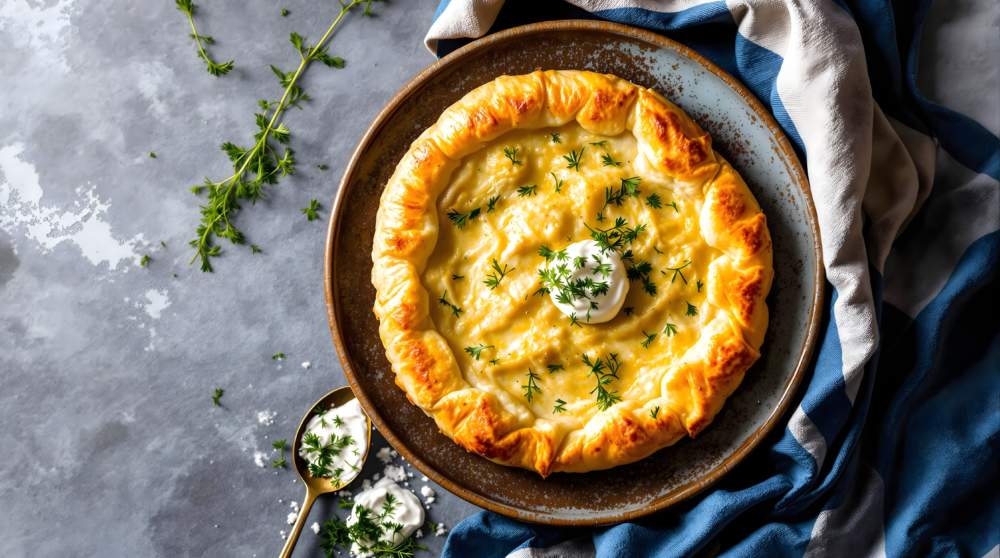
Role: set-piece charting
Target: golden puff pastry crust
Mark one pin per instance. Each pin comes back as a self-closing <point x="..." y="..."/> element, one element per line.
<point x="500" y="369"/>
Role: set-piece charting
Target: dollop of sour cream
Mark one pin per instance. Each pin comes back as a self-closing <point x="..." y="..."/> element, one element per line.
<point x="334" y="442"/>
<point x="405" y="510"/>
<point x="584" y="263"/>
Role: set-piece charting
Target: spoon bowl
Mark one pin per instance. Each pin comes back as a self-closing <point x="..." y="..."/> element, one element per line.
<point x="316" y="486"/>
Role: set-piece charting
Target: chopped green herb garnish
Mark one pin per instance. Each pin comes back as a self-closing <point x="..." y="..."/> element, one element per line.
<point x="217" y="396"/>
<point x="573" y="321"/>
<point x="254" y="249"/>
<point x="511" y="153"/>
<point x="628" y="310"/>
<point x="670" y="330"/>
<point x="278" y="356"/>
<point x="608" y="161"/>
<point x="494" y="277"/>
<point x="152" y="154"/>
<point x="604" y="371"/>
<point x="311" y="210"/>
<point x="649" y="339"/>
<point x="461" y="219"/>
<point x="284" y="12"/>
<point x="692" y="310"/>
<point x="495" y="360"/>
<point x="573" y="159"/>
<point x="144" y="260"/>
<point x="653" y="200"/>
<point x="531" y="386"/>
<point x="457" y="277"/>
<point x="655" y="412"/>
<point x="491" y="203"/>
<point x="477" y="350"/>
<point x="527" y="191"/>
<point x="558" y="182"/>
<point x="279" y="462"/>
<point x="554" y="368"/>
<point x="699" y="284"/>
<point x="556" y="137"/>
<point x="323" y="166"/>
<point x="455" y="310"/>
<point x="641" y="271"/>
<point x="601" y="143"/>
<point x="678" y="272"/>
<point x="673" y="204"/>
<point x="560" y="406"/>
<point x="280" y="445"/>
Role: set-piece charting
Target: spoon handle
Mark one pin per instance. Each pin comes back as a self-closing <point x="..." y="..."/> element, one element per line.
<point x="293" y="537"/>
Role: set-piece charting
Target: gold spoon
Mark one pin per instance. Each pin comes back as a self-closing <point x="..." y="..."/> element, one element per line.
<point x="318" y="485"/>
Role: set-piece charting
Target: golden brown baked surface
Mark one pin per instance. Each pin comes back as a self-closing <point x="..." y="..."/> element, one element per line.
<point x="545" y="159"/>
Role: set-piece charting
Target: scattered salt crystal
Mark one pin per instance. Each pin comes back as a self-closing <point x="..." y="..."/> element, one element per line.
<point x="306" y="365"/>
<point x="409" y="475"/>
<point x="259" y="457"/>
<point x="291" y="518"/>
<point x="440" y="530"/>
<point x="394" y="453"/>
<point x="346" y="494"/>
<point x="424" y="478"/>
<point x="266" y="417"/>
<point x="394" y="472"/>
<point x="375" y="477"/>
<point x="315" y="527"/>
<point x="283" y="534"/>
<point x="384" y="455"/>
<point x="294" y="505"/>
<point x="426" y="491"/>
<point x="419" y="534"/>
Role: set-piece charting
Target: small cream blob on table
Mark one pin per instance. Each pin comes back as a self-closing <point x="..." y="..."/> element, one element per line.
<point x="333" y="447"/>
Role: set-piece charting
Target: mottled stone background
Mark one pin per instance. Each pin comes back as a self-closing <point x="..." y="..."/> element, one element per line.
<point x="112" y="446"/>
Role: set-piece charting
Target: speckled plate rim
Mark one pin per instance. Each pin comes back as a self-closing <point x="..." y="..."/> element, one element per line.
<point x="795" y="170"/>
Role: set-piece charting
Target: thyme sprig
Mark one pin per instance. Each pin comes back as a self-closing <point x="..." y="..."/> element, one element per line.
<point x="188" y="8"/>
<point x="604" y="371"/>
<point x="573" y="159"/>
<point x="476" y="350"/>
<point x="531" y="386"/>
<point x="494" y="277"/>
<point x="261" y="164"/>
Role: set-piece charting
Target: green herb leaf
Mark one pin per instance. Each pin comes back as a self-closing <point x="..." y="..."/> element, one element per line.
<point x="461" y="219"/>
<point x="559" y="183"/>
<point x="654" y="412"/>
<point x="278" y="356"/>
<point x="152" y="154"/>
<point x="477" y="350"/>
<point x="560" y="406"/>
<point x="608" y="161"/>
<point x="573" y="159"/>
<point x="443" y="300"/>
<point x="188" y="8"/>
<point x="556" y="137"/>
<point x="217" y="396"/>
<point x="670" y="330"/>
<point x="511" y="153"/>
<point x="554" y="368"/>
<point x="284" y="12"/>
<point x="531" y="386"/>
<point x="678" y="272"/>
<point x="144" y="260"/>
<point x="653" y="200"/>
<point x="493" y="278"/>
<point x="527" y="191"/>
<point x="311" y="210"/>
<point x="699" y="284"/>
<point x="650" y="337"/>
<point x="692" y="310"/>
<point x="492" y="203"/>
<point x="604" y="372"/>
<point x="280" y="445"/>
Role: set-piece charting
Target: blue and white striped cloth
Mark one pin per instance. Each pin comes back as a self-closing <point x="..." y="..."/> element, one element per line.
<point x="893" y="449"/>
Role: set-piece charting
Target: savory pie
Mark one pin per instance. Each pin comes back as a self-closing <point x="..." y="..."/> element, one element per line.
<point x="500" y="244"/>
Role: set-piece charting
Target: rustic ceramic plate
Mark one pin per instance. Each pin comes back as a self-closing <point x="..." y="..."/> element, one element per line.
<point x="743" y="132"/>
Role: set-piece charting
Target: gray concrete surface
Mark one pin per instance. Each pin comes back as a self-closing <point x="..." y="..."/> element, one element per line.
<point x="112" y="446"/>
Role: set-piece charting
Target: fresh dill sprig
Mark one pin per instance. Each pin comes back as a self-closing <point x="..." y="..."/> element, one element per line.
<point x="558" y="182"/>
<point x="554" y="368"/>
<point x="491" y="203"/>
<point x="261" y="164"/>
<point x="573" y="159"/>
<point x="531" y="386"/>
<point x="653" y="200"/>
<point x="615" y="238"/>
<point x="556" y="137"/>
<point x="455" y="310"/>
<point x="311" y="210"/>
<point x="699" y="284"/>
<point x="188" y="8"/>
<point x="560" y="406"/>
<point x="511" y="153"/>
<point x="527" y="190"/>
<point x="608" y="161"/>
<point x="641" y="271"/>
<point x="457" y="277"/>
<point x="654" y="412"/>
<point x="370" y="532"/>
<point x="574" y="321"/>
<point x="217" y="396"/>
<point x="678" y="272"/>
<point x="650" y="337"/>
<point x="284" y="12"/>
<point x="629" y="188"/>
<point x="152" y="154"/>
<point x="494" y="361"/>
<point x="550" y="254"/>
<point x="477" y="350"/>
<point x="494" y="277"/>
<point x="278" y="356"/>
<point x="461" y="219"/>
<point x="673" y="204"/>
<point x="601" y="143"/>
<point x="604" y="371"/>
<point x="279" y="462"/>
<point x="280" y="445"/>
<point x="670" y="330"/>
<point x="144" y="260"/>
<point x="692" y="310"/>
<point x="254" y="249"/>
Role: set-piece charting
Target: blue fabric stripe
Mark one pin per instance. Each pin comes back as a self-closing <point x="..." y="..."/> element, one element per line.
<point x="440" y="9"/>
